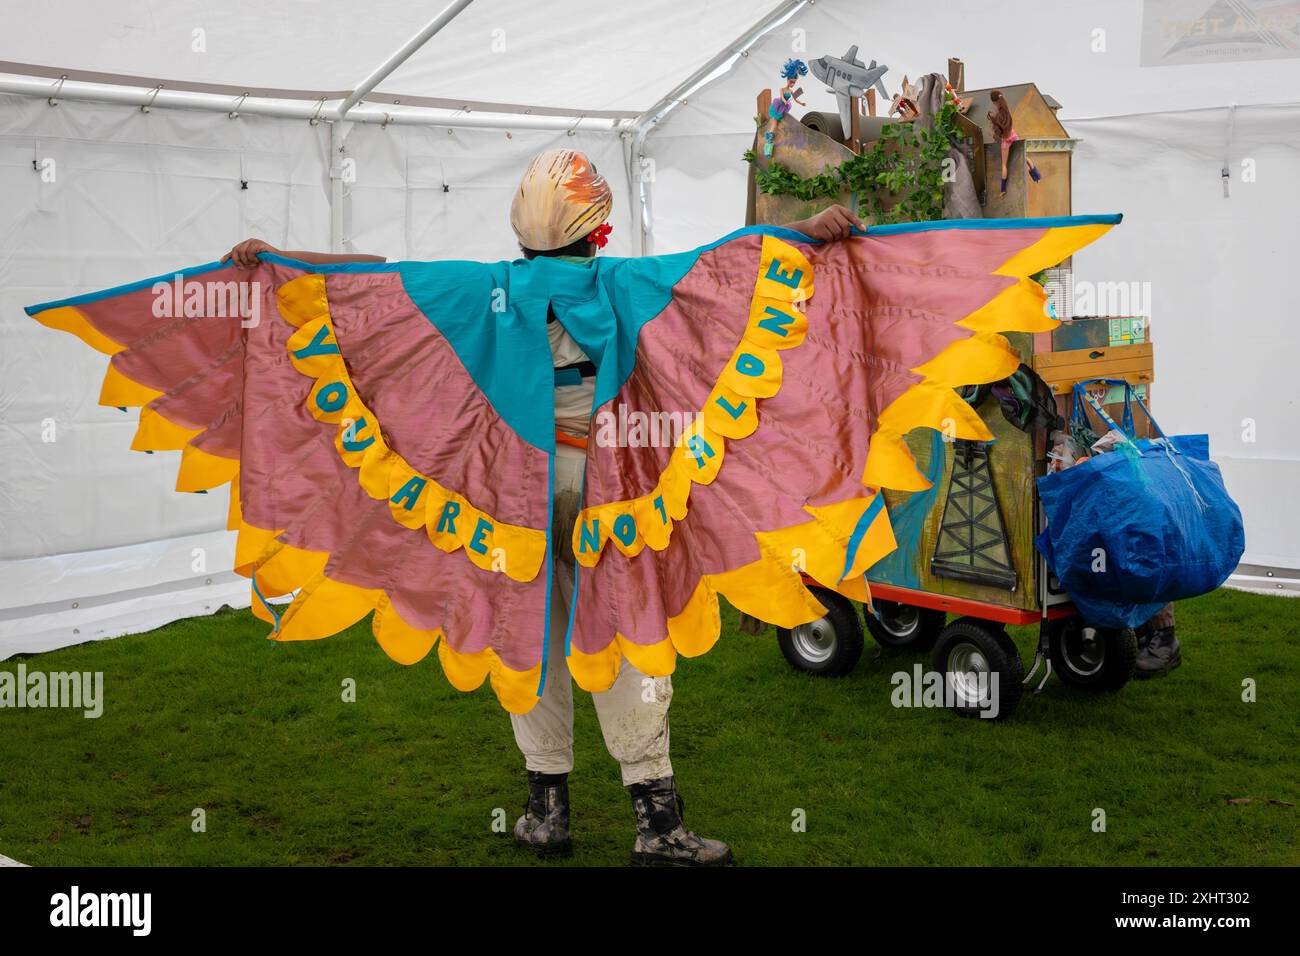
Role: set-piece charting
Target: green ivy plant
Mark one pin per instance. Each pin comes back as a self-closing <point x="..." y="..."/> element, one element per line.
<point x="905" y="165"/>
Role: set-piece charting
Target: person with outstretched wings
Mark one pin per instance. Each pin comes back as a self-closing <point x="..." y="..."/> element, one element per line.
<point x="389" y="433"/>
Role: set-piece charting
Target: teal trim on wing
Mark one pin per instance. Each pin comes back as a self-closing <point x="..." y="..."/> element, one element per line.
<point x="265" y="603"/>
<point x="129" y="287"/>
<point x="603" y="303"/>
<point x="860" y="531"/>
<point x="1038" y="222"/>
<point x="1033" y="222"/>
<point x="207" y="267"/>
<point x="330" y="268"/>
<point x="494" y="317"/>
<point x="781" y="232"/>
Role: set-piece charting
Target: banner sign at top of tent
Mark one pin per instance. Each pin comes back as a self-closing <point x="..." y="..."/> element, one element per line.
<point x="1184" y="32"/>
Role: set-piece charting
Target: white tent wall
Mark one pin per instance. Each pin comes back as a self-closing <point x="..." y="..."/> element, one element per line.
<point x="1222" y="313"/>
<point x="557" y="54"/>
<point x="93" y="541"/>
<point x="397" y="206"/>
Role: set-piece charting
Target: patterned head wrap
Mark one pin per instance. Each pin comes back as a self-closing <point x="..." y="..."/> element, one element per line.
<point x="561" y="199"/>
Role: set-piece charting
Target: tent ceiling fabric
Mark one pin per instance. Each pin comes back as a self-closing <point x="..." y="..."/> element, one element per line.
<point x="578" y="57"/>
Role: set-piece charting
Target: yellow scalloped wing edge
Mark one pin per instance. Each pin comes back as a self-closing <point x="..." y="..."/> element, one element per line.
<point x="322" y="607"/>
<point x="771" y="588"/>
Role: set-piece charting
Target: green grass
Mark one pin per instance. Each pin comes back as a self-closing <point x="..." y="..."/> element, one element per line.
<point x="206" y="714"/>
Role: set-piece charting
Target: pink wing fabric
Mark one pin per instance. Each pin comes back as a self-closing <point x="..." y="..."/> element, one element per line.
<point x="238" y="393"/>
<point x="894" y="321"/>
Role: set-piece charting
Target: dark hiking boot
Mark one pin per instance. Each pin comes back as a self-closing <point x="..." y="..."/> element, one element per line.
<point x="661" y="837"/>
<point x="544" y="827"/>
<point x="1158" y="654"/>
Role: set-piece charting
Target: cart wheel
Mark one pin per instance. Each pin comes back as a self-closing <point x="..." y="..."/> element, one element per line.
<point x="829" y="646"/>
<point x="903" y="625"/>
<point x="1091" y="658"/>
<point x="968" y="648"/>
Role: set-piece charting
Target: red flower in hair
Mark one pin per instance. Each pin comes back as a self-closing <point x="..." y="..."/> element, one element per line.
<point x="600" y="235"/>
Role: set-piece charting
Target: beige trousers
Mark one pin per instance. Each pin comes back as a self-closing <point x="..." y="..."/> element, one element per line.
<point x="633" y="713"/>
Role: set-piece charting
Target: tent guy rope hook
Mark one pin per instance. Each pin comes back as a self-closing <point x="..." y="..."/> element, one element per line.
<point x="53" y="98"/>
<point x="147" y="105"/>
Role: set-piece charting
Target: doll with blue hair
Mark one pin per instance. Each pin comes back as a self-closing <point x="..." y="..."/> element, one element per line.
<point x="792" y="70"/>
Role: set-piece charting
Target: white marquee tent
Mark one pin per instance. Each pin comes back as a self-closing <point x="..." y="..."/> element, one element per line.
<point x="140" y="136"/>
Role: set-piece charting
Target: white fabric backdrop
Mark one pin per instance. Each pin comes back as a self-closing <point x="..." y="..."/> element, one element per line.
<point x="397" y="207"/>
<point x="95" y="543"/>
<point x="572" y="54"/>
<point x="1223" y="311"/>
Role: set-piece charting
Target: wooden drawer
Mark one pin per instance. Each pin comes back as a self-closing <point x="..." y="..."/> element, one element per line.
<point x="1061" y="370"/>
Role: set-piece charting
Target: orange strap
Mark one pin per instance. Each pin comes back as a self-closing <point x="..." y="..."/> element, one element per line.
<point x="567" y="439"/>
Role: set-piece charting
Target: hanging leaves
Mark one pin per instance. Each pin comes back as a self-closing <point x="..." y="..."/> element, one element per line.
<point x="905" y="167"/>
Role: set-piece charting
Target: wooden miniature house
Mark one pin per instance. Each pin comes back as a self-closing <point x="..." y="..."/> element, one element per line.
<point x="1042" y="139"/>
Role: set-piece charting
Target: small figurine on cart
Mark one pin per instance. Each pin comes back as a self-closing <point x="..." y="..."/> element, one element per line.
<point x="904" y="103"/>
<point x="950" y="96"/>
<point x="1000" y="118"/>
<point x="792" y="70"/>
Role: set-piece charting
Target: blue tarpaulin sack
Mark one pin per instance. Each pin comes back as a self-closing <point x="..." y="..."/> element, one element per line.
<point x="1132" y="529"/>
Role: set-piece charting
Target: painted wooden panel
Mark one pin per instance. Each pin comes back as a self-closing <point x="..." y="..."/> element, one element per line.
<point x="1012" y="461"/>
<point x="1032" y="118"/>
<point x="1050" y="196"/>
<point x="806" y="152"/>
<point x="1081" y="334"/>
<point x="1014" y="203"/>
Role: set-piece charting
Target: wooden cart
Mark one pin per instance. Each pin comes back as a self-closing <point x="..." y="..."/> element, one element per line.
<point x="966" y="565"/>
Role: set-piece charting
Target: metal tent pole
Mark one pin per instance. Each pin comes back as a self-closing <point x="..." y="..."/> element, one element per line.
<point x="76" y="91"/>
<point x="336" y="138"/>
<point x="401" y="56"/>
<point x="739" y="47"/>
<point x="642" y="125"/>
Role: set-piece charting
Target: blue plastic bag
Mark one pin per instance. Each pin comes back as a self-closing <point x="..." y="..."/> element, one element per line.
<point x="1130" y="530"/>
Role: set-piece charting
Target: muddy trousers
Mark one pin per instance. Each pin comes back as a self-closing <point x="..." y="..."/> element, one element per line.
<point x="633" y="713"/>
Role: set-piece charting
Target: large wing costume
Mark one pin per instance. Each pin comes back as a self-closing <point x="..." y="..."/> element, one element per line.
<point x="388" y="431"/>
